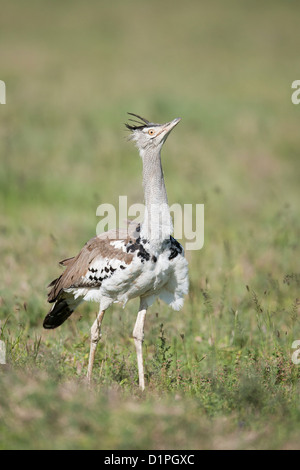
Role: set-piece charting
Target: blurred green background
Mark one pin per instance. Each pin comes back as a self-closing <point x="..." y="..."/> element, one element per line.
<point x="72" y="71"/>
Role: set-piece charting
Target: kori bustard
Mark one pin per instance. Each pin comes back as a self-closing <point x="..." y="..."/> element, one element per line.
<point x="144" y="261"/>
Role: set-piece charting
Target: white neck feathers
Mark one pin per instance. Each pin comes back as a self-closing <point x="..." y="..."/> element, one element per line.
<point x="157" y="224"/>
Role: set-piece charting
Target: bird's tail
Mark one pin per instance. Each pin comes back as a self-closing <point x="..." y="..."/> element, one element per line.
<point x="60" y="311"/>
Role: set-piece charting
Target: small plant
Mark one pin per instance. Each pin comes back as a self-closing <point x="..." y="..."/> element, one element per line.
<point x="163" y="359"/>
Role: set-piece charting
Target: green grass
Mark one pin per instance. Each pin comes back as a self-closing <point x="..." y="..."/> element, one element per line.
<point x="220" y="372"/>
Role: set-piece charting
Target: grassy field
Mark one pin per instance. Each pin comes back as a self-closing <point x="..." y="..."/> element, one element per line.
<point x="220" y="373"/>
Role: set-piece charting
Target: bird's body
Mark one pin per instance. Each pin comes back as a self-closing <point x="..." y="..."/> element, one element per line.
<point x="115" y="268"/>
<point x="143" y="261"/>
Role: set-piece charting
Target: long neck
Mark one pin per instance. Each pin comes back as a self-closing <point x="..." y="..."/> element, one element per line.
<point x="157" y="224"/>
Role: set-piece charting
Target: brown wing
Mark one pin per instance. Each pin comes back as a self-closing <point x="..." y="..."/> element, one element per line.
<point x="66" y="261"/>
<point x="77" y="266"/>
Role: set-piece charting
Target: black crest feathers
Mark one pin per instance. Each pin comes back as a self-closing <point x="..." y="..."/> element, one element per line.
<point x="138" y="124"/>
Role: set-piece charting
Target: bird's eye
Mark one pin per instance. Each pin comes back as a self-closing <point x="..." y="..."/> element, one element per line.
<point x="151" y="132"/>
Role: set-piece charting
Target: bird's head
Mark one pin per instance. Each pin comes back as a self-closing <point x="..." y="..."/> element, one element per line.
<point x="149" y="135"/>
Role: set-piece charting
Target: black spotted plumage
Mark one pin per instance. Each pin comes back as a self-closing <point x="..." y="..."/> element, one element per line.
<point x="175" y="248"/>
<point x="138" y="246"/>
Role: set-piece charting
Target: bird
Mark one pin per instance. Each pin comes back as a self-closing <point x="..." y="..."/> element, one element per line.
<point x="143" y="261"/>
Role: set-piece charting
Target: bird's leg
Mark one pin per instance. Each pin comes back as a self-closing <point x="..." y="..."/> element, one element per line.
<point x="95" y="337"/>
<point x="138" y="335"/>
